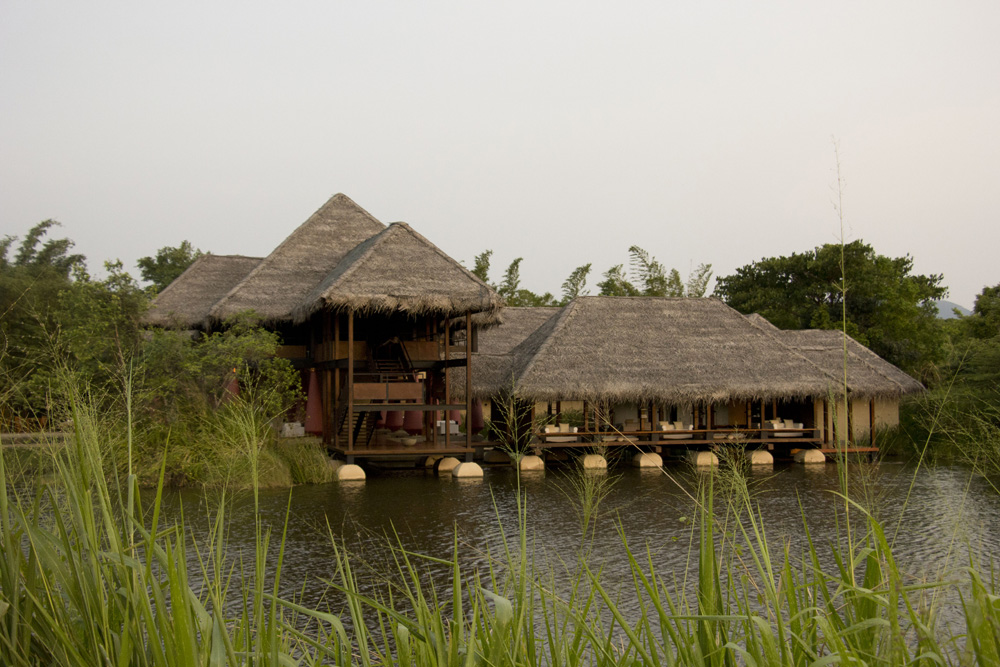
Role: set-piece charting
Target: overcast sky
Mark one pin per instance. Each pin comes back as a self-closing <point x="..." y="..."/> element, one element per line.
<point x="563" y="132"/>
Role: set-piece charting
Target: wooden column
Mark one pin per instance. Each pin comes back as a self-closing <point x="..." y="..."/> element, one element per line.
<point x="850" y="419"/>
<point x="350" y="379"/>
<point x="447" y="383"/>
<point x="871" y="422"/>
<point x="468" y="380"/>
<point x="826" y="422"/>
<point x="335" y="398"/>
<point x="586" y="416"/>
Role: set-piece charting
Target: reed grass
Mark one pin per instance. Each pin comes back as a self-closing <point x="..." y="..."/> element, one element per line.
<point x="91" y="576"/>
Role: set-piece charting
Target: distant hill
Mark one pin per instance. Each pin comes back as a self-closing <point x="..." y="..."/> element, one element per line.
<point x="946" y="310"/>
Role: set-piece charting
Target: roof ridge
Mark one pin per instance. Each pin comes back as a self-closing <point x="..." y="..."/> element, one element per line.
<point x="561" y="319"/>
<point x="442" y="253"/>
<point x="373" y="242"/>
<point x="340" y="197"/>
<point x="775" y="333"/>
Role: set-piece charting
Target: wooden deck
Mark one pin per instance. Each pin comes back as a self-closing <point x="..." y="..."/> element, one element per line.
<point x="382" y="447"/>
<point x="700" y="437"/>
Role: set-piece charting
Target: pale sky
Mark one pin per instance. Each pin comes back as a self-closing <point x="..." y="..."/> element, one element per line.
<point x="563" y="132"/>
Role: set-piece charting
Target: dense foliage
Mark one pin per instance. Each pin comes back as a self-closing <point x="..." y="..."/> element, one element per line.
<point x="960" y="416"/>
<point x="887" y="308"/>
<point x="168" y="263"/>
<point x="61" y="327"/>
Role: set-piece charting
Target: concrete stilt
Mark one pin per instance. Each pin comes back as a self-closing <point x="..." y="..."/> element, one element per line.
<point x="701" y="459"/>
<point x="530" y="462"/>
<point x="467" y="470"/>
<point x="431" y="460"/>
<point x="761" y="457"/>
<point x="350" y="473"/>
<point x="593" y="462"/>
<point x="810" y="456"/>
<point x="647" y="460"/>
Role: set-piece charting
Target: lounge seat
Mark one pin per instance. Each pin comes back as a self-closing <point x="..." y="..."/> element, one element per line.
<point x="676" y="426"/>
<point x="560" y="428"/>
<point x="786" y="428"/>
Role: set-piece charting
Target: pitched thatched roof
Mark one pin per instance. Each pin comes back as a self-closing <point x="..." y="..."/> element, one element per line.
<point x="868" y="375"/>
<point x="647" y="348"/>
<point x="280" y="282"/>
<point x="186" y="301"/>
<point x="492" y="366"/>
<point x="400" y="270"/>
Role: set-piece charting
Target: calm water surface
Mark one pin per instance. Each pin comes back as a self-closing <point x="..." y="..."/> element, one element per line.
<point x="951" y="512"/>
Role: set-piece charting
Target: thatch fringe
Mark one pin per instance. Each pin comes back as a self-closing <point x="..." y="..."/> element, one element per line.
<point x="398" y="270"/>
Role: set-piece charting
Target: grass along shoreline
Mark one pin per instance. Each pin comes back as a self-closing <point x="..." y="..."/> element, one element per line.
<point x="89" y="576"/>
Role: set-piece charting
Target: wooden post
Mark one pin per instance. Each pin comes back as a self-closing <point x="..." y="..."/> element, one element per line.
<point x="826" y="422"/>
<point x="586" y="417"/>
<point x="871" y="422"/>
<point x="558" y="411"/>
<point x="350" y="379"/>
<point x="447" y="383"/>
<point x="430" y="418"/>
<point x="850" y="419"/>
<point x="334" y="400"/>
<point x="468" y="380"/>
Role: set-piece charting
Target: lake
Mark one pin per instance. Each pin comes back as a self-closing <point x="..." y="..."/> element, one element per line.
<point x="951" y="513"/>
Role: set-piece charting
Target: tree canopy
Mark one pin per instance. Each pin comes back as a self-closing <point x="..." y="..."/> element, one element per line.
<point x="887" y="308"/>
<point x="168" y="263"/>
<point x="646" y="277"/>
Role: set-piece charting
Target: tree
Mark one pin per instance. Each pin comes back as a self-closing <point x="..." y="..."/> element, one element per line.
<point x="615" y="283"/>
<point x="887" y="308"/>
<point x="482" y="266"/>
<point x="511" y="282"/>
<point x="30" y="285"/>
<point x="168" y="263"/>
<point x="573" y="286"/>
<point x="650" y="274"/>
<point x="650" y="278"/>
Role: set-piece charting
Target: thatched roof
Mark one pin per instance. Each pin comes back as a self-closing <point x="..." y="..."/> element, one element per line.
<point x="492" y="366"/>
<point x="868" y="375"/>
<point x="187" y="300"/>
<point x="398" y="270"/>
<point x="646" y="348"/>
<point x="282" y="280"/>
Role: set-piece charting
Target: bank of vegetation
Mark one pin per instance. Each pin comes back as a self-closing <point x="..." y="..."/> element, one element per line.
<point x="55" y="316"/>
<point x="188" y="392"/>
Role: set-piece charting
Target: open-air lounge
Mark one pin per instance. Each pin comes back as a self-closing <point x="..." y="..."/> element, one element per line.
<point x="693" y="373"/>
